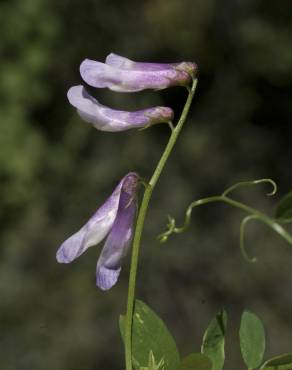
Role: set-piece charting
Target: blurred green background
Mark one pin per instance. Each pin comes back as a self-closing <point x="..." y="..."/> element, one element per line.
<point x="56" y="170"/>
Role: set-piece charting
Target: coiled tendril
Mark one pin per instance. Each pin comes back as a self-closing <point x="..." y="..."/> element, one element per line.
<point x="252" y="215"/>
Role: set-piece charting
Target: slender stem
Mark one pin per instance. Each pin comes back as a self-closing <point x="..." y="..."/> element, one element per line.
<point x="173" y="137"/>
<point x="140" y="225"/>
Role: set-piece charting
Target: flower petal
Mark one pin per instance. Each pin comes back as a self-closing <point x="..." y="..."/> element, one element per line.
<point x="123" y="75"/>
<point x="107" y="119"/>
<point x="97" y="74"/>
<point x="118" y="242"/>
<point x="95" y="230"/>
<point x="120" y="62"/>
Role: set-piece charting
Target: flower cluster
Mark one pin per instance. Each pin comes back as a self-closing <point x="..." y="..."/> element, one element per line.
<point x="114" y="220"/>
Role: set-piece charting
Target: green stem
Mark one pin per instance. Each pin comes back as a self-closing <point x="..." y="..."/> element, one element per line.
<point x="140" y="225"/>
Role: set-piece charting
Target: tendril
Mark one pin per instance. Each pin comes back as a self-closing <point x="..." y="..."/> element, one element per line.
<point x="242" y="238"/>
<point x="170" y="229"/>
<point x="252" y="214"/>
<point x="251" y="183"/>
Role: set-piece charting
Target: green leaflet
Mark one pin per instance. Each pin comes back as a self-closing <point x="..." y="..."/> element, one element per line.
<point x="195" y="361"/>
<point x="150" y="334"/>
<point x="214" y="340"/>
<point x="281" y="362"/>
<point x="252" y="339"/>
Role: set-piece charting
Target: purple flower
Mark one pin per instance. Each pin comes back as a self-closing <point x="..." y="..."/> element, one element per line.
<point x="114" y="219"/>
<point x="107" y="119"/>
<point x="124" y="75"/>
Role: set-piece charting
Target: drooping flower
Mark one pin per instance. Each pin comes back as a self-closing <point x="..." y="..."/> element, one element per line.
<point x="124" y="75"/>
<point x="114" y="219"/>
<point x="107" y="119"/>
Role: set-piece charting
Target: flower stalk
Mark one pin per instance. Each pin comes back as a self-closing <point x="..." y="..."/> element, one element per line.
<point x="140" y="224"/>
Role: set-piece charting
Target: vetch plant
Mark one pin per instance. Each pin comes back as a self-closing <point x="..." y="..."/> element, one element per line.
<point x="148" y="343"/>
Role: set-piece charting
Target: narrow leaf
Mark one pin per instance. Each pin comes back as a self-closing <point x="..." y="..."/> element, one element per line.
<point x="195" y="361"/>
<point x="214" y="340"/>
<point x="284" y="208"/>
<point x="150" y="334"/>
<point x="252" y="339"/>
<point x="282" y="362"/>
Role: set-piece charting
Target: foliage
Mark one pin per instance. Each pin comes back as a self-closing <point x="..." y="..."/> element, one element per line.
<point x="252" y="339"/>
<point x="195" y="361"/>
<point x="282" y="362"/>
<point x="151" y="335"/>
<point x="284" y="208"/>
<point x="214" y="340"/>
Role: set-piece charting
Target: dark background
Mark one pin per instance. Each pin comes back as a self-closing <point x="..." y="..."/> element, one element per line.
<point x="56" y="170"/>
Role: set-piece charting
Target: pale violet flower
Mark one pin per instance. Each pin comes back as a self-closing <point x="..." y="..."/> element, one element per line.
<point x="124" y="75"/>
<point x="114" y="220"/>
<point x="107" y="119"/>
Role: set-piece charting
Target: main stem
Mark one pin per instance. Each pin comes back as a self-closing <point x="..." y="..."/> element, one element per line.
<point x="140" y="225"/>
